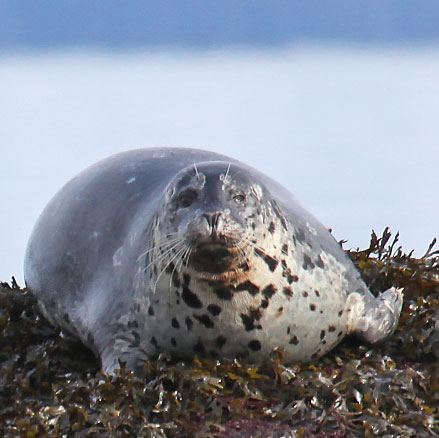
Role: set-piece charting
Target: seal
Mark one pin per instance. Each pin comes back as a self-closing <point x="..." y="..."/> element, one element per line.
<point x="194" y="253"/>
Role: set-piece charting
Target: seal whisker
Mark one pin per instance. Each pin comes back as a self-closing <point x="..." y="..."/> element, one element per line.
<point x="227" y="172"/>
<point x="166" y="266"/>
<point x="187" y="255"/>
<point x="182" y="258"/>
<point x="180" y="254"/>
<point x="166" y="244"/>
<point x="196" y="171"/>
<point x="161" y="256"/>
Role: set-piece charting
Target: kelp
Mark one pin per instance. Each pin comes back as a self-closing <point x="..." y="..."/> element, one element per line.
<point x="51" y="386"/>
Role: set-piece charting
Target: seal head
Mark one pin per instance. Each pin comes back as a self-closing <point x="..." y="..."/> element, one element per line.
<point x="215" y="213"/>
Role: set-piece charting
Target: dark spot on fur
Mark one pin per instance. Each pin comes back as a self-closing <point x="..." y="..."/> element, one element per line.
<point x="133" y="324"/>
<point x="205" y="320"/>
<point x="288" y="330"/>
<point x="322" y="334"/>
<point x="249" y="319"/>
<point x="285" y="249"/>
<point x="270" y="261"/>
<point x="280" y="310"/>
<point x="189" y="323"/>
<point x="279" y="214"/>
<point x="312" y="307"/>
<point x="256" y="314"/>
<point x="136" y="336"/>
<point x="317" y="293"/>
<point x="186" y="279"/>
<point x="173" y="342"/>
<point x="220" y="341"/>
<point x="305" y="293"/>
<point x="254" y="345"/>
<point x="331" y="328"/>
<point x="340" y="313"/>
<point x="340" y="334"/>
<point x="264" y="304"/>
<point x="319" y="262"/>
<point x="288" y="291"/>
<point x="150" y="310"/>
<point x="248" y="322"/>
<point x="250" y="287"/>
<point x="243" y="355"/>
<point x="272" y="228"/>
<point x="292" y="278"/>
<point x="269" y="291"/>
<point x="175" y="281"/>
<point x="307" y="262"/>
<point x="286" y="272"/>
<point x="244" y="266"/>
<point x="223" y="292"/>
<point x="294" y="340"/>
<point x="213" y="309"/>
<point x="199" y="348"/>
<point x="170" y="268"/>
<point x="175" y="323"/>
<point x="300" y="235"/>
<point x="154" y="341"/>
<point x="190" y="298"/>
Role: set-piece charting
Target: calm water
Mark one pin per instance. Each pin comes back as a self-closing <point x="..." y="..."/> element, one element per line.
<point x="352" y="132"/>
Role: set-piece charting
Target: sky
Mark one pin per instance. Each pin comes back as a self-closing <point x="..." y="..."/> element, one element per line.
<point x="42" y="24"/>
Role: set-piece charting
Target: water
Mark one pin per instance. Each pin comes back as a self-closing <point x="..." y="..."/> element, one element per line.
<point x="352" y="132"/>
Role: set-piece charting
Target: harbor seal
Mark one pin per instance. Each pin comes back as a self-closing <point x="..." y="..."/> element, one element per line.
<point x="194" y="253"/>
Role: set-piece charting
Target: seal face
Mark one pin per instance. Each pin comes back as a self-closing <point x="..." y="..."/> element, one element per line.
<point x="194" y="253"/>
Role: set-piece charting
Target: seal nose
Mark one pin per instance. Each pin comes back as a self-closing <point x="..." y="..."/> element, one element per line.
<point x="212" y="220"/>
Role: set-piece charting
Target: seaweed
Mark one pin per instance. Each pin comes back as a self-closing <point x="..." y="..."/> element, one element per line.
<point x="51" y="385"/>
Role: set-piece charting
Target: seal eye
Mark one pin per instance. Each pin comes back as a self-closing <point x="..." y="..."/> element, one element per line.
<point x="187" y="198"/>
<point x="239" y="198"/>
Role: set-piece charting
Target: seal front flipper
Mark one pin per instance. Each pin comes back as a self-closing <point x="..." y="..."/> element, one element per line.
<point x="372" y="319"/>
<point x="124" y="349"/>
<point x="122" y="353"/>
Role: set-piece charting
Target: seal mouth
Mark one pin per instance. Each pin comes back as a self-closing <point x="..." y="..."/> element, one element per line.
<point x="214" y="257"/>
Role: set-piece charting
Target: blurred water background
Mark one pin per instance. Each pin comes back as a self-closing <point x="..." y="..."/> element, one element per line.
<point x="340" y="105"/>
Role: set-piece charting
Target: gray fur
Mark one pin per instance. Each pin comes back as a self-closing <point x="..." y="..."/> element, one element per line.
<point x="195" y="253"/>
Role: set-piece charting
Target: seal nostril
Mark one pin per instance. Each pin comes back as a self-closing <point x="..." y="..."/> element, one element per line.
<point x="212" y="219"/>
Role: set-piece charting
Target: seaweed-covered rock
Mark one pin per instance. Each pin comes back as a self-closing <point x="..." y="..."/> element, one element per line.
<point x="51" y="386"/>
